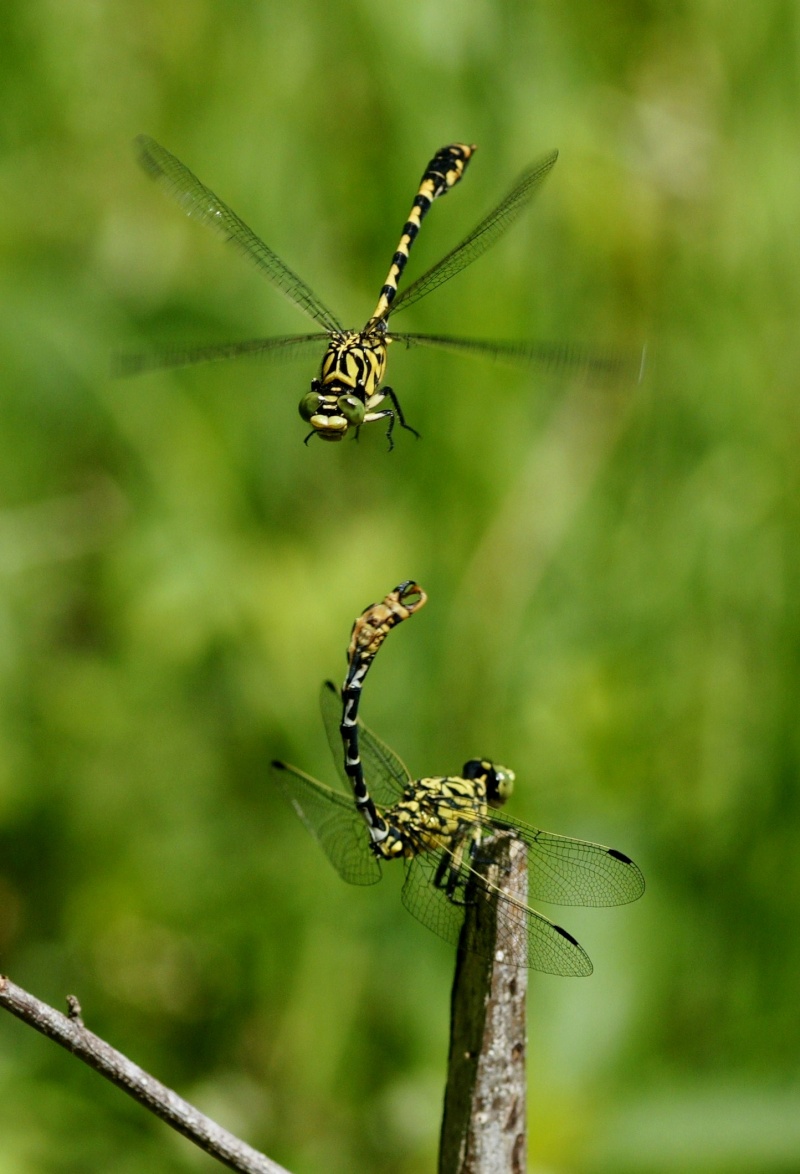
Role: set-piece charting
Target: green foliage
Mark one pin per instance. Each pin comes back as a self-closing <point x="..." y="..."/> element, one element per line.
<point x="613" y="572"/>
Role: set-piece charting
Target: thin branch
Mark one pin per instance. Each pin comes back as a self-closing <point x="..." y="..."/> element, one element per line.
<point x="69" y="1032"/>
<point x="484" y="1123"/>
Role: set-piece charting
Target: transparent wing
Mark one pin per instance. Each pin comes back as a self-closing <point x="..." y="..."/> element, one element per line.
<point x="573" y="872"/>
<point x="428" y="902"/>
<point x="200" y="202"/>
<point x="330" y="704"/>
<point x="333" y="821"/>
<point x="554" y="356"/>
<point x="483" y="235"/>
<point x="525" y="936"/>
<point x="385" y="775"/>
<point x="280" y="349"/>
<point x="380" y="761"/>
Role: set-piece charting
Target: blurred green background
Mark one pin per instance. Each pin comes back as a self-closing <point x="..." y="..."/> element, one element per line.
<point x="613" y="572"/>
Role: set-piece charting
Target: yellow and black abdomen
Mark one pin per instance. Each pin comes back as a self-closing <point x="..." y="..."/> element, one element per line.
<point x="442" y="173"/>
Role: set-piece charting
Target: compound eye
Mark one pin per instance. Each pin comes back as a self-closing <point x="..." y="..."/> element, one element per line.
<point x="504" y="782"/>
<point x="351" y="408"/>
<point x="499" y="779"/>
<point x="309" y="405"/>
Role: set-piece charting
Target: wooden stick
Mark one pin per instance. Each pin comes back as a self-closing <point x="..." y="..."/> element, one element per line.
<point x="484" y="1124"/>
<point x="69" y="1032"/>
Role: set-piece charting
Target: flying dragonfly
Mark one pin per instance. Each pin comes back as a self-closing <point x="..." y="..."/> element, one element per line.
<point x="436" y="825"/>
<point x="349" y="391"/>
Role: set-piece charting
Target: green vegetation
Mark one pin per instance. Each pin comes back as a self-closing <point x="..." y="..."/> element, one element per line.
<point x="613" y="571"/>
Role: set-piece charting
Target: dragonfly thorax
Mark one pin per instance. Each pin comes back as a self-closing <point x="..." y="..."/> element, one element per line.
<point x="432" y="814"/>
<point x="348" y="387"/>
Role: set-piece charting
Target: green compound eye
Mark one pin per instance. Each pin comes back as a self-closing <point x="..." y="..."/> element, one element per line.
<point x="499" y="779"/>
<point x="309" y="406"/>
<point x="504" y="781"/>
<point x="351" y="408"/>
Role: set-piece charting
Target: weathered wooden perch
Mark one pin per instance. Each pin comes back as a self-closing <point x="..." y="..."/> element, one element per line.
<point x="70" y="1033"/>
<point x="484" y="1123"/>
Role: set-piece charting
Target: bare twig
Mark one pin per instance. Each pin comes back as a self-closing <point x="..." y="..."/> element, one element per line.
<point x="484" y="1124"/>
<point x="68" y="1030"/>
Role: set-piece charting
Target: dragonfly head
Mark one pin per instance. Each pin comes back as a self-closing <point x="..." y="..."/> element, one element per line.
<point x="332" y="415"/>
<point x="499" y="779"/>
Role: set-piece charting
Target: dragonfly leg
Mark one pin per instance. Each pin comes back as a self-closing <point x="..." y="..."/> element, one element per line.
<point x="385" y="414"/>
<point x="442" y="869"/>
<point x="392" y="414"/>
<point x="390" y="395"/>
<point x="448" y="876"/>
<point x="360" y="392"/>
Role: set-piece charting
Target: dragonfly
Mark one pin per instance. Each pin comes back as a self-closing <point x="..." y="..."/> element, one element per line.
<point x="349" y="391"/>
<point x="436" y="826"/>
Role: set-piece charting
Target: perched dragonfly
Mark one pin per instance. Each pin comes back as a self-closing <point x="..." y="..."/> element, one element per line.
<point x="349" y="390"/>
<point x="436" y="825"/>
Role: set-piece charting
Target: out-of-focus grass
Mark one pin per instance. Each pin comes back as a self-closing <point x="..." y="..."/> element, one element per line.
<point x="613" y="572"/>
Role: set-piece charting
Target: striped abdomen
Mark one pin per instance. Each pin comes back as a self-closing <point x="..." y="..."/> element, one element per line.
<point x="369" y="632"/>
<point x="442" y="173"/>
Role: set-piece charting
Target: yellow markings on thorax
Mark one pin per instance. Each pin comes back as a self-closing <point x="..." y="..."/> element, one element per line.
<point x="353" y="359"/>
<point x="433" y="813"/>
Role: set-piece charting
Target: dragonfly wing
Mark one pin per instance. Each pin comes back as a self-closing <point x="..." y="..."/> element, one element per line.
<point x="548" y="356"/>
<point x="333" y="821"/>
<point x="385" y="774"/>
<point x="200" y="202"/>
<point x="525" y="937"/>
<point x="281" y="349"/>
<point x="483" y="235"/>
<point x="550" y="948"/>
<point x="574" y="872"/>
<point x="428" y="902"/>
<point x="330" y="703"/>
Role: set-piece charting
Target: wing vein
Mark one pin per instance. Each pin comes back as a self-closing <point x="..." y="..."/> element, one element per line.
<point x="198" y="201"/>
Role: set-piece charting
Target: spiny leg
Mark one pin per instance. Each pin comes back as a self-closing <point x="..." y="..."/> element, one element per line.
<point x="446" y="877"/>
<point x="384" y="414"/>
<point x="448" y="871"/>
<point x="395" y="413"/>
<point x="398" y="411"/>
<point x="362" y="394"/>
